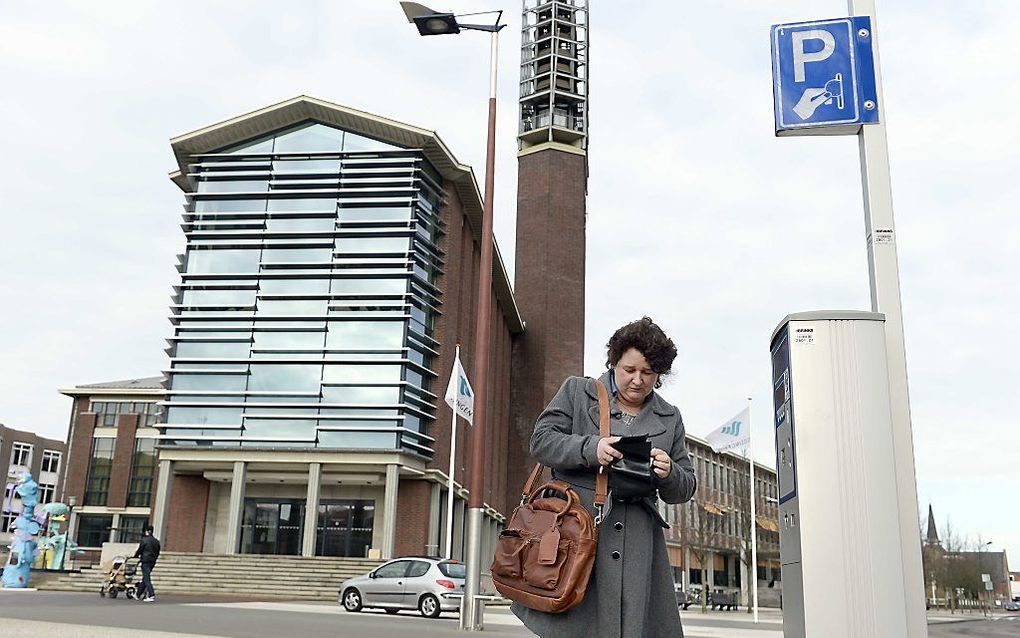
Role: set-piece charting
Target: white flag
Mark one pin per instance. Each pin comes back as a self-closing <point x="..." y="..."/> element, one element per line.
<point x="733" y="434"/>
<point x="459" y="394"/>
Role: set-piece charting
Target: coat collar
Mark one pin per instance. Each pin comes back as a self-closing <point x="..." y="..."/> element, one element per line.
<point x="655" y="403"/>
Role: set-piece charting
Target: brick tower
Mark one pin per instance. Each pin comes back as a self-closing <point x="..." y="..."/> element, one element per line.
<point x="551" y="190"/>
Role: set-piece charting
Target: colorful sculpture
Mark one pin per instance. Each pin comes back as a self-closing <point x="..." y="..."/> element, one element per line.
<point x="19" y="562"/>
<point x="54" y="547"/>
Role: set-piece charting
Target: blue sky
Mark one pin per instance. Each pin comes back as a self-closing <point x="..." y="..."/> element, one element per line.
<point x="697" y="216"/>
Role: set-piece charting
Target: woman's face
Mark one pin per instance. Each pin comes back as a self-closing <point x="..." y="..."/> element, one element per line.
<point x="635" y="379"/>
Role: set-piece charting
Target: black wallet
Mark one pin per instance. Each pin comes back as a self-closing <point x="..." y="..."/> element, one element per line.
<point x="632" y="476"/>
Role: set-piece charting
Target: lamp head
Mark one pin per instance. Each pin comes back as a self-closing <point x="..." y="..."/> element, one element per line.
<point x="430" y="21"/>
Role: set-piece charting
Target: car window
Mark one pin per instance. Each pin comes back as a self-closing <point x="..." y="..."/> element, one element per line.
<point x="418" y="568"/>
<point x="453" y="570"/>
<point x="392" y="570"/>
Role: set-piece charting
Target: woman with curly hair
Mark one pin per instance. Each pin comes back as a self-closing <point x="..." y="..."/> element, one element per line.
<point x="630" y="593"/>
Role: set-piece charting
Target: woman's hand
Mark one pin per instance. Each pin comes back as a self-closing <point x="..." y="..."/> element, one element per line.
<point x="661" y="462"/>
<point x="605" y="452"/>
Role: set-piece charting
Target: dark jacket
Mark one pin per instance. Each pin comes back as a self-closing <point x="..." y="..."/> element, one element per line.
<point x="148" y="550"/>
<point x="630" y="593"/>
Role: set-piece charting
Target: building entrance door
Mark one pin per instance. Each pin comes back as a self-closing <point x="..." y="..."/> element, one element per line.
<point x="345" y="528"/>
<point x="272" y="526"/>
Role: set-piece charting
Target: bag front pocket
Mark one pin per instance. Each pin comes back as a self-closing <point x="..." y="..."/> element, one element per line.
<point x="506" y="561"/>
<point x="544" y="576"/>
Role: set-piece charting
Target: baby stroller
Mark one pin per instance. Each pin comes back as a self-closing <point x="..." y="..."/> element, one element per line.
<point x="120" y="577"/>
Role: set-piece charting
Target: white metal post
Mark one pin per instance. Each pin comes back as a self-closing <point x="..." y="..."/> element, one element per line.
<point x="754" y="518"/>
<point x="885" y="298"/>
<point x="453" y="453"/>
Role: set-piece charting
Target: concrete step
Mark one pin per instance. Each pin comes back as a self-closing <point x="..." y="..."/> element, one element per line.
<point x="292" y="577"/>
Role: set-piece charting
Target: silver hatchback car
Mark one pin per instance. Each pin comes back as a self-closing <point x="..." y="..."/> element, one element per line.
<point x="430" y="585"/>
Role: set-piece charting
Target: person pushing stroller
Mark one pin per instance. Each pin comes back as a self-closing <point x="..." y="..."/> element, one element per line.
<point x="147" y="553"/>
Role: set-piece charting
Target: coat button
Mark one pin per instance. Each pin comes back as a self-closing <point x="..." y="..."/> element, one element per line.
<point x="615" y="555"/>
<point x="618" y="525"/>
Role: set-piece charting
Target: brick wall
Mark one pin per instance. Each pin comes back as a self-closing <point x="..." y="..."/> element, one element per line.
<point x="412" y="517"/>
<point x="189" y="501"/>
<point x="81" y="453"/>
<point x="123" y="454"/>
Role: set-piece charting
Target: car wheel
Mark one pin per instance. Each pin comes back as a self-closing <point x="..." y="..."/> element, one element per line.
<point x="429" y="606"/>
<point x="392" y="611"/>
<point x="352" y="600"/>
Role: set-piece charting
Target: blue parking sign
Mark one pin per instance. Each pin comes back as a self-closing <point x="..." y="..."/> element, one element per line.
<point x="824" y="77"/>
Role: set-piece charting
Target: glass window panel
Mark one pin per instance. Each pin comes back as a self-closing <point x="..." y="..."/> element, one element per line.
<point x="361" y="394"/>
<point x="292" y="306"/>
<point x="213" y="334"/>
<point x="360" y="440"/>
<point x="230" y="205"/>
<point x="227" y="260"/>
<point x="280" y="428"/>
<point x="204" y="416"/>
<point x="355" y="142"/>
<point x="299" y="377"/>
<point x="279" y="399"/>
<point x="365" y="334"/>
<point x="413" y="378"/>
<point x="219" y="297"/>
<point x="233" y="186"/>
<point x="372" y="286"/>
<point x="348" y="373"/>
<point x="291" y="340"/>
<point x="312" y="138"/>
<point x="372" y="245"/>
<point x="307" y="165"/>
<point x="264" y="145"/>
<point x="213" y="349"/>
<point x="295" y="255"/>
<point x="294" y="286"/>
<point x="375" y="214"/>
<point x="303" y="203"/>
<point x="93" y="530"/>
<point x="306" y="224"/>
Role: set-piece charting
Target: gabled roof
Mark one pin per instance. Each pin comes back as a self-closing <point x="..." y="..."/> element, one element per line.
<point x="304" y="108"/>
<point x="146" y="385"/>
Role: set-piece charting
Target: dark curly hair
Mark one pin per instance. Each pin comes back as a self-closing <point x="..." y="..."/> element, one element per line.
<point x="650" y="341"/>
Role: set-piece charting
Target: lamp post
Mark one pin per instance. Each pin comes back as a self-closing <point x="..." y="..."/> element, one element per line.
<point x="987" y="584"/>
<point x="431" y="22"/>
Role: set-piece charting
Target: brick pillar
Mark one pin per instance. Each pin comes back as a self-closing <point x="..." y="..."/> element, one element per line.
<point x="413" y="516"/>
<point x="549" y="288"/>
<point x="78" y="463"/>
<point x="189" y="500"/>
<point x="123" y="455"/>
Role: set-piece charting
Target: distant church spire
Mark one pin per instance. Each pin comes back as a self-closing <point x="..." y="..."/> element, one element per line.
<point x="933" y="533"/>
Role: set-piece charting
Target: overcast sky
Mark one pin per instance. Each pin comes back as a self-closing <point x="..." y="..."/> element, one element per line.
<point x="697" y="215"/>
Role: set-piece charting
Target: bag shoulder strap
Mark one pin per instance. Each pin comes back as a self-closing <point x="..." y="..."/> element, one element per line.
<point x="602" y="478"/>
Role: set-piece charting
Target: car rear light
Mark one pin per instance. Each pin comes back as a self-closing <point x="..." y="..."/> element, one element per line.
<point x="446" y="583"/>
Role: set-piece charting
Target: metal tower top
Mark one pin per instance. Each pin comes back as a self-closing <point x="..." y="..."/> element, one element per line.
<point x="554" y="74"/>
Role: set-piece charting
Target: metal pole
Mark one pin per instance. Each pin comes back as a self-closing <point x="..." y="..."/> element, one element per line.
<point x="453" y="453"/>
<point x="470" y="616"/>
<point x="754" y="520"/>
<point x="885" y="298"/>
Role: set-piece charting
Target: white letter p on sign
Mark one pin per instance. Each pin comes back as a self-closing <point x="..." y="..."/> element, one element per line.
<point x="800" y="57"/>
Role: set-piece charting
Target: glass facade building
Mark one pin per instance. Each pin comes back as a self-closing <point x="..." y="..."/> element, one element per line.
<point x="306" y="311"/>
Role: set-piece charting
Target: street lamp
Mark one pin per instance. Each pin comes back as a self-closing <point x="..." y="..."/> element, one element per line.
<point x="432" y="22"/>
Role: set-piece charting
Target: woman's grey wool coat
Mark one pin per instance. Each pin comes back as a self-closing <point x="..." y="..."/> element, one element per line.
<point x="630" y="594"/>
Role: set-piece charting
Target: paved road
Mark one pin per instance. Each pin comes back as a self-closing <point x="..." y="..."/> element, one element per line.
<point x="73" y="615"/>
<point x="80" y="615"/>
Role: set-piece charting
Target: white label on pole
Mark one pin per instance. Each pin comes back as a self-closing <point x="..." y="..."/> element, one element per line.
<point x="988" y="586"/>
<point x="804" y="336"/>
<point x="884" y="236"/>
<point x="986" y="578"/>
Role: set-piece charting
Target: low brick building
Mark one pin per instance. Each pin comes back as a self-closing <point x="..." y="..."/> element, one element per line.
<point x="110" y="473"/>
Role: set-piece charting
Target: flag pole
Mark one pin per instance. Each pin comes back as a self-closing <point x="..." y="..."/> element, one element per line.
<point x="754" y="520"/>
<point x="453" y="452"/>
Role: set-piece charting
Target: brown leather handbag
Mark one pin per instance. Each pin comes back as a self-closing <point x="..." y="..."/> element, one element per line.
<point x="545" y="555"/>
